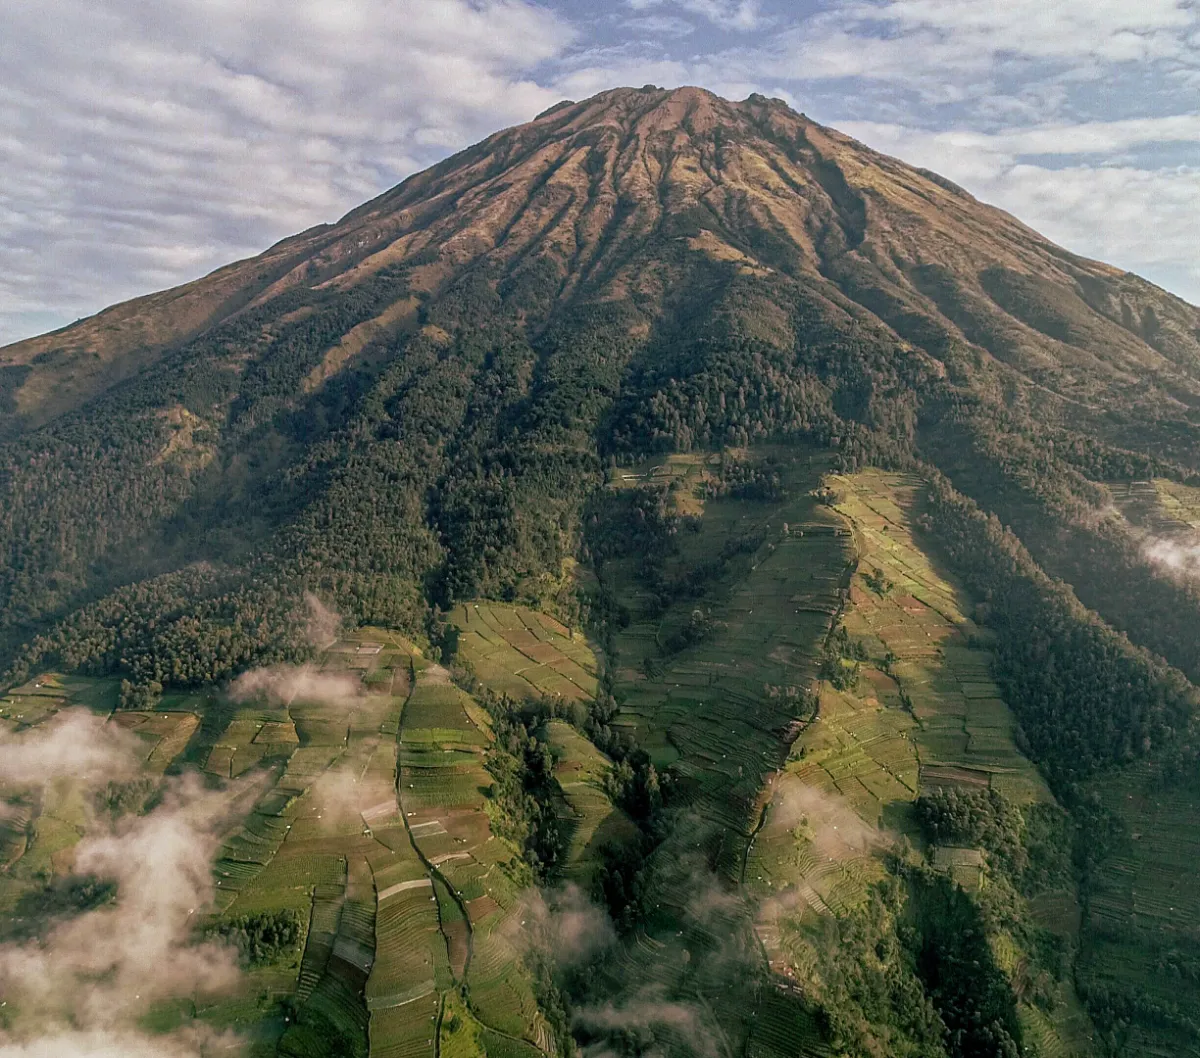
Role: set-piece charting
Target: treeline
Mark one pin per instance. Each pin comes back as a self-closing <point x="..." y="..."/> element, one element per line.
<point x="261" y="938"/>
<point x="1067" y="521"/>
<point x="451" y="464"/>
<point x="1085" y="696"/>
<point x="196" y="626"/>
<point x="747" y="479"/>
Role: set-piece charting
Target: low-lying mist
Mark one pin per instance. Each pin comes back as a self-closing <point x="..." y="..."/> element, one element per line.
<point x="285" y="684"/>
<point x="79" y="987"/>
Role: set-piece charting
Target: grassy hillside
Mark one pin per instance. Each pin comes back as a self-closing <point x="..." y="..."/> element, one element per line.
<point x="794" y="690"/>
<point x="368" y="829"/>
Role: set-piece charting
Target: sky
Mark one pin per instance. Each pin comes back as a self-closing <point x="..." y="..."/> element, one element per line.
<point x="144" y="143"/>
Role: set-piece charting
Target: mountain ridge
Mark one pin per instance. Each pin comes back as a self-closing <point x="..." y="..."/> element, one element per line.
<point x="649" y="148"/>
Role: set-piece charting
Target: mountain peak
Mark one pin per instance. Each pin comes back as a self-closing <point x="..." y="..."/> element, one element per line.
<point x="621" y="195"/>
<point x="811" y="441"/>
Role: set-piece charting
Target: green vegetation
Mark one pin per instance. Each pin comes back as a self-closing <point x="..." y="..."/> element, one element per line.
<point x="523" y="653"/>
<point x="263" y="937"/>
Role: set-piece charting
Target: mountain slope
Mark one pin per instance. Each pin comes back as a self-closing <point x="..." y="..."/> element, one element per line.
<point x="577" y="190"/>
<point x="668" y="219"/>
<point x="436" y="399"/>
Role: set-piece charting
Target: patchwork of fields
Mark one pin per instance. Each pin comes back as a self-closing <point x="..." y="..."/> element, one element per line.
<point x="922" y="712"/>
<point x="721" y="714"/>
<point x="1140" y="929"/>
<point x="521" y="652"/>
<point x="1162" y="507"/>
<point x="371" y="828"/>
<point x="371" y="819"/>
<point x="722" y="711"/>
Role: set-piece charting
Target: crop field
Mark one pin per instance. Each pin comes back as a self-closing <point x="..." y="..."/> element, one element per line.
<point x="1162" y="507"/>
<point x="592" y="819"/>
<point x="39" y="829"/>
<point x="442" y="785"/>
<point x="722" y="711"/>
<point x="367" y="814"/>
<point x="964" y="729"/>
<point x="923" y="711"/>
<point x="521" y="652"/>
<point x="404" y="909"/>
<point x="1139" y="931"/>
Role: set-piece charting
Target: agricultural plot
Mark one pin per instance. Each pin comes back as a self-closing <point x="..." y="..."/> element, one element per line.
<point x="39" y="828"/>
<point x="403" y="910"/>
<point x="520" y="652"/>
<point x="591" y="818"/>
<point x="939" y="667"/>
<point x="922" y="711"/>
<point x="1139" y="930"/>
<point x="723" y="710"/>
<point x="1162" y="507"/>
<point x="475" y="882"/>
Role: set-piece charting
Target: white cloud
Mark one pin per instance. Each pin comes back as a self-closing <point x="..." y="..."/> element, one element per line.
<point x="741" y="15"/>
<point x="1142" y="219"/>
<point x="927" y="39"/>
<point x="143" y="144"/>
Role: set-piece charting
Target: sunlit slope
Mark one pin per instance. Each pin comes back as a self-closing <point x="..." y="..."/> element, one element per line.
<point x="916" y="709"/>
<point x="752" y="184"/>
<point x="411" y="409"/>
<point x="719" y="611"/>
<point x="442" y="795"/>
<point x="768" y="577"/>
<point x="521" y="652"/>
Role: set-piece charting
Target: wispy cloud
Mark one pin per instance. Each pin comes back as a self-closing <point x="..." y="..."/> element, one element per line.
<point x="741" y="15"/>
<point x="80" y="989"/>
<point x="916" y="38"/>
<point x="75" y="744"/>
<point x="145" y="144"/>
<point x="1143" y="217"/>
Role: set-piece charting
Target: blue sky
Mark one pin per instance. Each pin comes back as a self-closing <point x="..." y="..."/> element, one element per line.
<point x="146" y="142"/>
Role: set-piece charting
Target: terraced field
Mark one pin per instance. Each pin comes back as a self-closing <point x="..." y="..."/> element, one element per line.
<point x="371" y="817"/>
<point x="522" y="652"/>
<point x="1140" y="927"/>
<point x="941" y="667"/>
<point x="39" y="829"/>
<point x="1162" y="507"/>
<point x="723" y="711"/>
<point x="721" y="714"/>
<point x="367" y="818"/>
<point x="592" y="820"/>
<point x="922" y="712"/>
<point x="476" y="878"/>
<point x="1139" y="930"/>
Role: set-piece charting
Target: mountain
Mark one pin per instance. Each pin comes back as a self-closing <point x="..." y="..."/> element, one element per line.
<point x="536" y="374"/>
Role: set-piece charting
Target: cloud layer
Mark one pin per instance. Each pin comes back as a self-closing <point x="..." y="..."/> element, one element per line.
<point x="144" y="144"/>
<point x="79" y="990"/>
